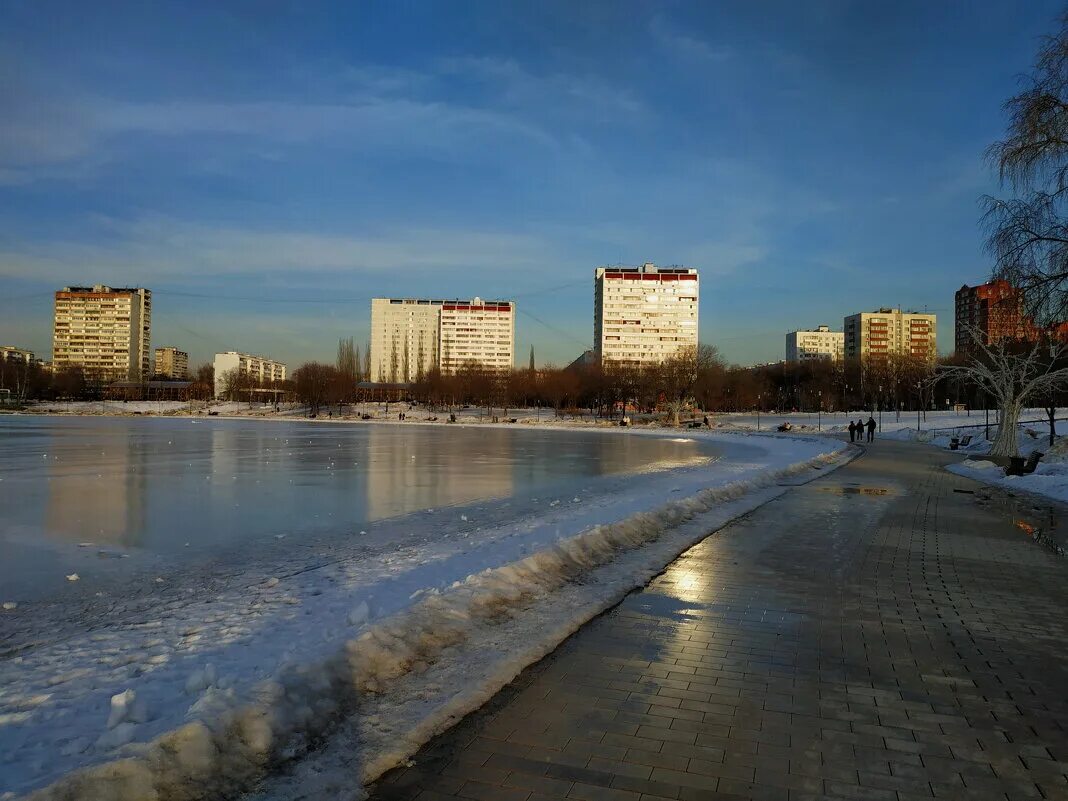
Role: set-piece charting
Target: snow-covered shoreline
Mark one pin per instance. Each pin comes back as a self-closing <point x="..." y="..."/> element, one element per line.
<point x="277" y="660"/>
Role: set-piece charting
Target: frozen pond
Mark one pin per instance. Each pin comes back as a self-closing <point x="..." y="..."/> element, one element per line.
<point x="179" y="490"/>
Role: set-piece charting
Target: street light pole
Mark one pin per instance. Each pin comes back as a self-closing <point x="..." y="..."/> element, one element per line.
<point x="919" y="403"/>
<point x="819" y="413"/>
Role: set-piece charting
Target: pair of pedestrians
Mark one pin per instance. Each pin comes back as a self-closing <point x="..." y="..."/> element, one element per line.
<point x="856" y="430"/>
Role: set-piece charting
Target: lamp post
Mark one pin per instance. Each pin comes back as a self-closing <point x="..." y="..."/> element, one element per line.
<point x="819" y="412"/>
<point x="880" y="404"/>
<point x="919" y="403"/>
<point x="760" y="402"/>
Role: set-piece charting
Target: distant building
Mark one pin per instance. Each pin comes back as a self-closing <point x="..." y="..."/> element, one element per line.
<point x="172" y="363"/>
<point x="9" y="353"/>
<point x="994" y="311"/>
<point x="817" y="343"/>
<point x="404" y="338"/>
<point x="887" y="332"/>
<point x="412" y="336"/>
<point x="480" y="332"/>
<point x="103" y="330"/>
<point x="261" y="370"/>
<point x="644" y="315"/>
<point x="587" y="359"/>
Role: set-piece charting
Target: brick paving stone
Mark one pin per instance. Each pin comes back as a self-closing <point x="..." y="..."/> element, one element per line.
<point x="831" y="644"/>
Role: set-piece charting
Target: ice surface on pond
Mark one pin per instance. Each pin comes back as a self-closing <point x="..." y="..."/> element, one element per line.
<point x="188" y="490"/>
<point x="118" y="662"/>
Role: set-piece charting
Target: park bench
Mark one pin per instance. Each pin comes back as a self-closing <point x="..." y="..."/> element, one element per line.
<point x="1018" y="466"/>
<point x="960" y="442"/>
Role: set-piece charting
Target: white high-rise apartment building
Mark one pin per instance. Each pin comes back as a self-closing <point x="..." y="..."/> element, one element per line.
<point x="260" y="369"/>
<point x="644" y="315"/>
<point x="103" y="330"/>
<point x="817" y="343"/>
<point x="886" y="332"/>
<point x="404" y="338"/>
<point x="171" y="363"/>
<point x="411" y="336"/>
<point x="480" y="332"/>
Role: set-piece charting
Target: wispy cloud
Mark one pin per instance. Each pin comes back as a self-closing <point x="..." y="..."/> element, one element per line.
<point x="686" y="46"/>
<point x="163" y="248"/>
<point x="364" y="109"/>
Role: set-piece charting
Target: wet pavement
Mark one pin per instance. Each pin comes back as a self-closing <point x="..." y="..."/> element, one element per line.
<point x="890" y="632"/>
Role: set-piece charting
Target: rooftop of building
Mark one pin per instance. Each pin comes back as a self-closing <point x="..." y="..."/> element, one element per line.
<point x="247" y="356"/>
<point x="647" y="268"/>
<point x="103" y="288"/>
<point x="441" y="301"/>
<point x="891" y="310"/>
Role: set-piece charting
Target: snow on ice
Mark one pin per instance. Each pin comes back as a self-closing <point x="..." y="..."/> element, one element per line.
<point x="206" y="688"/>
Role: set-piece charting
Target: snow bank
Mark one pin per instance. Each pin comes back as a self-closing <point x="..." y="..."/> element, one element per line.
<point x="396" y="681"/>
<point x="1049" y="480"/>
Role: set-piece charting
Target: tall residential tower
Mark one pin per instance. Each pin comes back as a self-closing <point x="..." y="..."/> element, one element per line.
<point x="992" y="311"/>
<point x="644" y="315"/>
<point x="412" y="336"/>
<point x="103" y="330"/>
<point x="890" y="332"/>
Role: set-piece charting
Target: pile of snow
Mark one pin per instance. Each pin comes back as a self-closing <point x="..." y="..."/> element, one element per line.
<point x="979" y="464"/>
<point x="386" y="665"/>
<point x="1050" y="479"/>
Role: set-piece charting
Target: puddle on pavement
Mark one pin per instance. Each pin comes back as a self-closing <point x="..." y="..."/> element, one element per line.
<point x="1031" y="517"/>
<point x="855" y="490"/>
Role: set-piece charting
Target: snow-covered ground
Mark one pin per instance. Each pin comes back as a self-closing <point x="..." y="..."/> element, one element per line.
<point x="207" y="682"/>
<point x="1050" y="478"/>
<point x="836" y="422"/>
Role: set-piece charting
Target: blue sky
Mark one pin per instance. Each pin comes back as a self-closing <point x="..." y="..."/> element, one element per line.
<point x="267" y="167"/>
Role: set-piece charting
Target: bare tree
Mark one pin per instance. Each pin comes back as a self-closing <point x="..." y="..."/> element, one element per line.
<point x="347" y="371"/>
<point x="1028" y="233"/>
<point x="315" y="384"/>
<point x="680" y="374"/>
<point x="1014" y="373"/>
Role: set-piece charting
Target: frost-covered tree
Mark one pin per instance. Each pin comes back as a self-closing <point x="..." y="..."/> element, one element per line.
<point x="1013" y="373"/>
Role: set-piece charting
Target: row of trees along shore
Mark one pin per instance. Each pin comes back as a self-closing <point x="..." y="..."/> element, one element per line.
<point x="694" y="380"/>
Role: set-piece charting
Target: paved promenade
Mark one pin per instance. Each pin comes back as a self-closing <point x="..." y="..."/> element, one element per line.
<point x="881" y="633"/>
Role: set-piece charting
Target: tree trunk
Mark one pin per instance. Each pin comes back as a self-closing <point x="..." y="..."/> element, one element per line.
<point x="1051" y="411"/>
<point x="1005" y="443"/>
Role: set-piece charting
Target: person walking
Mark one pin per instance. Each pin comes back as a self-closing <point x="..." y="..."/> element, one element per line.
<point x="871" y="429"/>
<point x="860" y="430"/>
<point x="852" y="431"/>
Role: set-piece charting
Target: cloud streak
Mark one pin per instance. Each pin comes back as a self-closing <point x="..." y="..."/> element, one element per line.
<point x="163" y="248"/>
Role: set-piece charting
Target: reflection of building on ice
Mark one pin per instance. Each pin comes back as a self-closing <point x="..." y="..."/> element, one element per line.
<point x="431" y="471"/>
<point x="103" y="501"/>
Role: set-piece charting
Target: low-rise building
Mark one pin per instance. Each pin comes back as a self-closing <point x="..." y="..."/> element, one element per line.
<point x="172" y="363"/>
<point x="231" y="365"/>
<point x="890" y="332"/>
<point x="9" y="353"/>
<point x="816" y="343"/>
